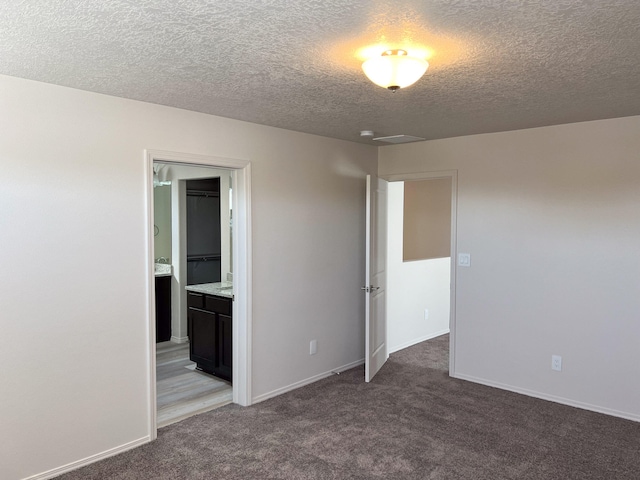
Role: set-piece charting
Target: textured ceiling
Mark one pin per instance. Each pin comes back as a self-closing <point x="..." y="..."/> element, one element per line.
<point x="494" y="65"/>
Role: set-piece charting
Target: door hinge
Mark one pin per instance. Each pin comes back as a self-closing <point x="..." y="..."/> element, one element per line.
<point x="369" y="289"/>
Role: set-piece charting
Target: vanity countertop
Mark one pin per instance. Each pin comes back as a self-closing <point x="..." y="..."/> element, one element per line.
<point x="221" y="289"/>
<point x="162" y="270"/>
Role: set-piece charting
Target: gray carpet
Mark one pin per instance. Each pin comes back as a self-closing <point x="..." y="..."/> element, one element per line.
<point x="411" y="422"/>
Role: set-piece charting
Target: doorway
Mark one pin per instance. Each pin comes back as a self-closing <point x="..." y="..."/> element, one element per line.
<point x="240" y="248"/>
<point x="421" y="271"/>
<point x="193" y="346"/>
<point x="418" y="261"/>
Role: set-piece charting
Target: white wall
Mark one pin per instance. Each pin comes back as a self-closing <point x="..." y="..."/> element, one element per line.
<point x="413" y="286"/>
<point x="550" y="218"/>
<point x="74" y="360"/>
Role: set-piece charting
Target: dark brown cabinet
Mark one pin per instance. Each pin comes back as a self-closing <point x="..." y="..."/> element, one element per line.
<point x="163" y="309"/>
<point x="209" y="328"/>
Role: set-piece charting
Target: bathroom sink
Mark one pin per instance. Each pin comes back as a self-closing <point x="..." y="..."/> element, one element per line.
<point x="162" y="269"/>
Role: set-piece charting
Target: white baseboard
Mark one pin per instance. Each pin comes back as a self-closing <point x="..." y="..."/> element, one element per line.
<point x="552" y="398"/>
<point x="307" y="381"/>
<point x="179" y="339"/>
<point x="92" y="459"/>
<point x="417" y="340"/>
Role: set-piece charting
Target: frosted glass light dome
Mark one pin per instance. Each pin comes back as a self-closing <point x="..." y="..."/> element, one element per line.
<point x="394" y="69"/>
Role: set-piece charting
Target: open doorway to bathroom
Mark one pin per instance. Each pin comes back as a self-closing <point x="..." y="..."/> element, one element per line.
<point x="200" y="229"/>
<point x="192" y="229"/>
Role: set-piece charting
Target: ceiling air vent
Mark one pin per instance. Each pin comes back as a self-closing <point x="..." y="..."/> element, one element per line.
<point x="399" y="139"/>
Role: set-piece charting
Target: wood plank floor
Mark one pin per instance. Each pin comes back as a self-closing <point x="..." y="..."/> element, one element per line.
<point x="183" y="391"/>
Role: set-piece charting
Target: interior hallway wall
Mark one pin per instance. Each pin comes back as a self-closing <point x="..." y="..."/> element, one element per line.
<point x="412" y="286"/>
<point x="550" y="218"/>
<point x="74" y="361"/>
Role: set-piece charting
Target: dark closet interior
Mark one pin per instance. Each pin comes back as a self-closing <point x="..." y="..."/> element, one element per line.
<point x="203" y="231"/>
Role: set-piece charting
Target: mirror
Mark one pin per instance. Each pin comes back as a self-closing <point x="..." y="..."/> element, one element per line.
<point x="162" y="223"/>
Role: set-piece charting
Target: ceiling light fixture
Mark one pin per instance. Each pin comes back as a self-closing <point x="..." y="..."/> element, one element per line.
<point x="156" y="177"/>
<point x="394" y="69"/>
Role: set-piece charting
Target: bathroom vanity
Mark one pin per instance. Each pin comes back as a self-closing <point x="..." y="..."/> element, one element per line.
<point x="209" y="317"/>
<point x="163" y="302"/>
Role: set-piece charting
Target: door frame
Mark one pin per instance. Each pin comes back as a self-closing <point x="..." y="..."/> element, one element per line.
<point x="242" y="267"/>
<point x="453" y="176"/>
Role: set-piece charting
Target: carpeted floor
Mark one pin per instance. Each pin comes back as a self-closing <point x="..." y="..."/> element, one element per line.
<point x="412" y="422"/>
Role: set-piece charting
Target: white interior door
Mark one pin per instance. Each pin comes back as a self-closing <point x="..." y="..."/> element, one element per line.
<point x="375" y="277"/>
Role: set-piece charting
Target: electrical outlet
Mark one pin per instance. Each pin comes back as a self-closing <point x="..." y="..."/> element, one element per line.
<point x="313" y="347"/>
<point x="556" y="363"/>
<point x="426" y="314"/>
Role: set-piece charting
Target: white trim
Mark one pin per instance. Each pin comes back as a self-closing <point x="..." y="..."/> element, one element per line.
<point x="195" y="159"/>
<point x="453" y="275"/>
<point x="307" y="381"/>
<point x="242" y="271"/>
<point x="151" y="301"/>
<point x="415" y="341"/>
<point x="367" y="279"/>
<point x="402" y="177"/>
<point x="453" y="175"/>
<point x="552" y="398"/>
<point x="179" y="339"/>
<point x="242" y="287"/>
<point x="89" y="460"/>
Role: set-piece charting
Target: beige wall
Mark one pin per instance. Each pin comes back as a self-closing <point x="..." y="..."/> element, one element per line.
<point x="550" y="218"/>
<point x="427" y="219"/>
<point x="74" y="362"/>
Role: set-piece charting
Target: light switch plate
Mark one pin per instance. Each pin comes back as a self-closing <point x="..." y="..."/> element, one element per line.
<point x="464" y="259"/>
